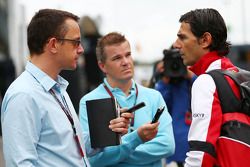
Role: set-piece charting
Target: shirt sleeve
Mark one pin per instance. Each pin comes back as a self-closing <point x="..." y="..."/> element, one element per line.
<point x="109" y="155"/>
<point x="206" y="122"/>
<point x="161" y="146"/>
<point x="21" y="126"/>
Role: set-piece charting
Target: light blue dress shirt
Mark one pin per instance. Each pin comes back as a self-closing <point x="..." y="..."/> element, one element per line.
<point x="36" y="131"/>
<point x="132" y="153"/>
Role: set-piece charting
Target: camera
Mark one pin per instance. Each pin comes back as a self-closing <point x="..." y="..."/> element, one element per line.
<point x="173" y="64"/>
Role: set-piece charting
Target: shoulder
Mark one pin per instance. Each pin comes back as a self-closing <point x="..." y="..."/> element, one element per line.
<point x="147" y="90"/>
<point x="97" y="93"/>
<point x="22" y="96"/>
<point x="24" y="84"/>
<point x="160" y="85"/>
<point x="203" y="84"/>
<point x="148" y="93"/>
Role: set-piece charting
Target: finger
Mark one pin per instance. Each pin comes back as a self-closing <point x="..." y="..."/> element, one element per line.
<point x="117" y="120"/>
<point x="120" y="130"/>
<point x="122" y="110"/>
<point x="151" y="134"/>
<point x="118" y="125"/>
<point x="150" y="126"/>
<point x="127" y="115"/>
<point x="155" y="125"/>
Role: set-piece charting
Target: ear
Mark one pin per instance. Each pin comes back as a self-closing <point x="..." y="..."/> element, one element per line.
<point x="102" y="66"/>
<point x="206" y="40"/>
<point x="52" y="45"/>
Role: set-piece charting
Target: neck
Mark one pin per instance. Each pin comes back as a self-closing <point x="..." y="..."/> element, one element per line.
<point x="46" y="65"/>
<point x="125" y="86"/>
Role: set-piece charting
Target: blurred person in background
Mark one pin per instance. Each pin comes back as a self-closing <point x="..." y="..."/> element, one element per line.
<point x="115" y="60"/>
<point x="76" y="87"/>
<point x="7" y="69"/>
<point x="90" y="35"/>
<point x="7" y="73"/>
<point x="174" y="81"/>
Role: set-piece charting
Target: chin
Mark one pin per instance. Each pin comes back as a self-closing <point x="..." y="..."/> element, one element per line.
<point x="128" y="77"/>
<point x="186" y="63"/>
<point x="72" y="68"/>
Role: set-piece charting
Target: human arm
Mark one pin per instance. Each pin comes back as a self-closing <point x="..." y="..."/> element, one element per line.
<point x="108" y="155"/>
<point x="121" y="124"/>
<point x="162" y="145"/>
<point x="206" y="123"/>
<point x="115" y="154"/>
<point x="21" y="126"/>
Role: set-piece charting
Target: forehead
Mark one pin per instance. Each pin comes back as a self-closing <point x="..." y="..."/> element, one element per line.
<point x="117" y="49"/>
<point x="73" y="28"/>
<point x="185" y="28"/>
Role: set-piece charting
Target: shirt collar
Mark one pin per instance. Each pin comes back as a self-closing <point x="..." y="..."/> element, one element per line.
<point x="46" y="81"/>
<point x="203" y="63"/>
<point x="115" y="89"/>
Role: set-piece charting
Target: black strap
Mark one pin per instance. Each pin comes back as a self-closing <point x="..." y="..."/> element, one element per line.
<point x="229" y="102"/>
<point x="237" y="131"/>
<point x="242" y="78"/>
<point x="202" y="146"/>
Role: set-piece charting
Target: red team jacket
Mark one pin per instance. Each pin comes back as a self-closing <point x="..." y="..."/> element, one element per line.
<point x="207" y="148"/>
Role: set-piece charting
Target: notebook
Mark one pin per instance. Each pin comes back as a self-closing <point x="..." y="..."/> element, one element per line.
<point x="100" y="112"/>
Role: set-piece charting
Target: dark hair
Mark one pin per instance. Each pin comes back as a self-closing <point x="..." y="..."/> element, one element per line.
<point x="47" y="23"/>
<point x="107" y="40"/>
<point x="208" y="20"/>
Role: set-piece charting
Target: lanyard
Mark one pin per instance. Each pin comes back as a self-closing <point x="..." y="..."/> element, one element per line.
<point x="112" y="96"/>
<point x="70" y="118"/>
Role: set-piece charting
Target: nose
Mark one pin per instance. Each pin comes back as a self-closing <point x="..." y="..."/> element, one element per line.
<point x="125" y="61"/>
<point x="176" y="44"/>
<point x="80" y="49"/>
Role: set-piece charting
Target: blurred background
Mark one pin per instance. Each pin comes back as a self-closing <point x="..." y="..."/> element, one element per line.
<point x="150" y="26"/>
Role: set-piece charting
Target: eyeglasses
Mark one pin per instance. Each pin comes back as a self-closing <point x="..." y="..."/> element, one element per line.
<point x="75" y="42"/>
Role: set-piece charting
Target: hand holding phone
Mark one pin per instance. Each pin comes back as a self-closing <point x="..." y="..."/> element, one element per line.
<point x="135" y="107"/>
<point x="158" y="114"/>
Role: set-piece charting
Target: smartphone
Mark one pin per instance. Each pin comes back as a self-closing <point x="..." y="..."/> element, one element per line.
<point x="136" y="107"/>
<point x="158" y="114"/>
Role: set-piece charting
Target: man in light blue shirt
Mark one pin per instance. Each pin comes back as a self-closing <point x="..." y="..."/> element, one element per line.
<point x="115" y="60"/>
<point x="36" y="129"/>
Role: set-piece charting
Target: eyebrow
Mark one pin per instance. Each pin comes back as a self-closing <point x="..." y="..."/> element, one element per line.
<point x="115" y="56"/>
<point x="180" y="35"/>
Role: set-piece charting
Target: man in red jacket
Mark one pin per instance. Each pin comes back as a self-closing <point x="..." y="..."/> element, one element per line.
<point x="202" y="43"/>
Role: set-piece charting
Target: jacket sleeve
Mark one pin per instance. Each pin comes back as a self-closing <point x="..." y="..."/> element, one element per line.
<point x="161" y="146"/>
<point x="21" y="127"/>
<point x="109" y="155"/>
<point x="206" y="123"/>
